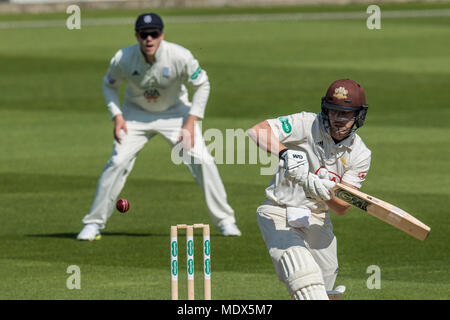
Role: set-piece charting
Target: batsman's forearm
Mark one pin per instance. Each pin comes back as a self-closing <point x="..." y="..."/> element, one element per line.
<point x="264" y="138"/>
<point x="337" y="205"/>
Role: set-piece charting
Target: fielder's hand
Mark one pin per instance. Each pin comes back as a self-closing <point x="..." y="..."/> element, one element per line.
<point x="187" y="133"/>
<point x="119" y="124"/>
<point x="318" y="187"/>
<point x="295" y="164"/>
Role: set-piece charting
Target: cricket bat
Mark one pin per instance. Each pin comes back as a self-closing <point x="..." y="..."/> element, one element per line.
<point x="383" y="211"/>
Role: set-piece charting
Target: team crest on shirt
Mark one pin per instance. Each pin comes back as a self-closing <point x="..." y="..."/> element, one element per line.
<point x="340" y="93"/>
<point x="166" y="72"/>
<point x="151" y="94"/>
<point x="362" y="175"/>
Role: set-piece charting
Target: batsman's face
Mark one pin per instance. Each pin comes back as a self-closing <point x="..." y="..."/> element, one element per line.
<point x="149" y="40"/>
<point x="341" y="123"/>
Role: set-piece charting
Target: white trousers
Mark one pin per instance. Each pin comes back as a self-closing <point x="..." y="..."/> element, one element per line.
<point x="142" y="126"/>
<point x="318" y="239"/>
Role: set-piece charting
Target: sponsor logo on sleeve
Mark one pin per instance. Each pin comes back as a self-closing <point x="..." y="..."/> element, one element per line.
<point x="287" y="128"/>
<point x="196" y="74"/>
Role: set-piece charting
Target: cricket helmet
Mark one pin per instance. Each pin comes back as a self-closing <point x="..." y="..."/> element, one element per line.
<point x="346" y="95"/>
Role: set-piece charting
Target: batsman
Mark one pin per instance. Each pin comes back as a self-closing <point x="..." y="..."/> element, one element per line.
<point x="315" y="152"/>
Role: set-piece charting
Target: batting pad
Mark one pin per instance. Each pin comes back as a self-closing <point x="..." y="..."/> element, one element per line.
<point x="315" y="292"/>
<point x="302" y="275"/>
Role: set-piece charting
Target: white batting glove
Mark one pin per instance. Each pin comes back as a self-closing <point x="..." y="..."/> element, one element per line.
<point x="318" y="187"/>
<point x="296" y="165"/>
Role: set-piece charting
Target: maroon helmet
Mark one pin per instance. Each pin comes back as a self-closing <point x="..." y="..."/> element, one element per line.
<point x="346" y="95"/>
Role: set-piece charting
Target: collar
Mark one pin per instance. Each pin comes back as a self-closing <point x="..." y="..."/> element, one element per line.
<point x="347" y="142"/>
<point x="158" y="54"/>
<point x="160" y="51"/>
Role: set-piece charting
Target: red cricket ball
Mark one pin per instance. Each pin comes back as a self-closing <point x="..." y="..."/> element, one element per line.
<point x="123" y="205"/>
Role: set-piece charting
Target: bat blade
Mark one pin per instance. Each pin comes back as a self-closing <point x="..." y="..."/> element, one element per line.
<point x="383" y="210"/>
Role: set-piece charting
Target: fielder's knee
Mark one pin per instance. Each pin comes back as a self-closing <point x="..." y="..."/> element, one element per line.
<point x="117" y="161"/>
<point x="302" y="275"/>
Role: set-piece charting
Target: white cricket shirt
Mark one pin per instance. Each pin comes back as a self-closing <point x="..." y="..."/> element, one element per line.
<point x="156" y="87"/>
<point x="347" y="161"/>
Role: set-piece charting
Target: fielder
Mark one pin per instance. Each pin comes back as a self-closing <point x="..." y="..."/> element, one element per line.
<point x="156" y="102"/>
<point x="315" y="150"/>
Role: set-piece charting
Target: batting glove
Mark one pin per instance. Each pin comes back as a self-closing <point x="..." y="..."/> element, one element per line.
<point x="296" y="165"/>
<point x="318" y="187"/>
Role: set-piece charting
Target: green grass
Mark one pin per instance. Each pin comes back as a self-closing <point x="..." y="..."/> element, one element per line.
<point x="188" y="11"/>
<point x="56" y="138"/>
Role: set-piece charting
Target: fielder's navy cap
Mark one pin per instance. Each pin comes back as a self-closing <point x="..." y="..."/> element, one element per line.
<point x="149" y="21"/>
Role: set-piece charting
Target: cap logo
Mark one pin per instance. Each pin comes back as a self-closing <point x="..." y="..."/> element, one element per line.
<point x="148" y="19"/>
<point x="340" y="93"/>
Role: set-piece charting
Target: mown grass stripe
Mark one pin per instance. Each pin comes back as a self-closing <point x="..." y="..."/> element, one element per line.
<point x="258" y="17"/>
